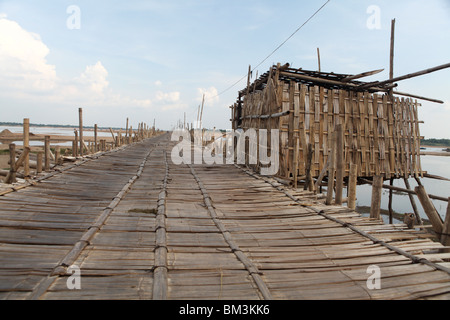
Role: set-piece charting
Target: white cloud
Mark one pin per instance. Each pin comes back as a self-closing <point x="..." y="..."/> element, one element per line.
<point x="158" y="83"/>
<point x="95" y="78"/>
<point x="168" y="97"/>
<point x="23" y="64"/>
<point x="26" y="74"/>
<point x="211" y="95"/>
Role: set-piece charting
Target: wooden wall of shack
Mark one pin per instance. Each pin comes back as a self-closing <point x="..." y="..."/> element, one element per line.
<point x="381" y="132"/>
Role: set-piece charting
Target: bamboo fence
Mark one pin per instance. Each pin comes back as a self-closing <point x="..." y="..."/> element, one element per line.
<point x="381" y="132"/>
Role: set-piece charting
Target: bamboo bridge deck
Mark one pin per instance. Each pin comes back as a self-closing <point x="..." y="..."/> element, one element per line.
<point x="140" y="227"/>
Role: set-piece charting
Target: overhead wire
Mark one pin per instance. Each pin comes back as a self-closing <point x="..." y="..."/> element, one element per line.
<point x="277" y="48"/>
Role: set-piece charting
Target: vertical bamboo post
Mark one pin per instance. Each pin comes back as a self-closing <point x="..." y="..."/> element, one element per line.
<point x="95" y="137"/>
<point x="57" y="154"/>
<point x="445" y="239"/>
<point x="126" y="134"/>
<point x="47" y="153"/>
<point x="391" y="211"/>
<point x="391" y="57"/>
<point x="318" y="58"/>
<point x="339" y="164"/>
<point x="375" y="206"/>
<point x="352" y="183"/>
<point x="201" y="114"/>
<point x="75" y="150"/>
<point x="308" y="180"/>
<point x="12" y="158"/>
<point x="331" y="170"/>
<point x="429" y="209"/>
<point x="39" y="163"/>
<point x="413" y="202"/>
<point x="80" y="113"/>
<point x="26" y="144"/>
<point x="296" y="152"/>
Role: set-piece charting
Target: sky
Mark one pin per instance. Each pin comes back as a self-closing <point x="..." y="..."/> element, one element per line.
<point x="147" y="60"/>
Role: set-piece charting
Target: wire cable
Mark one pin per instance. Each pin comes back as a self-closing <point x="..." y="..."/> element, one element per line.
<point x="277" y="48"/>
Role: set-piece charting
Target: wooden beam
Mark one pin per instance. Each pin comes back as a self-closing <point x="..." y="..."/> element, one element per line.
<point x="347" y="85"/>
<point x="417" y="97"/>
<point x="362" y="75"/>
<point x="405" y="77"/>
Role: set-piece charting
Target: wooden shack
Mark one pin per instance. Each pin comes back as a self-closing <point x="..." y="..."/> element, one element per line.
<point x="380" y="129"/>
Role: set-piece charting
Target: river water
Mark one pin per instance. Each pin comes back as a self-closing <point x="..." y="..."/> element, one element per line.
<point x="436" y="165"/>
<point x="53" y="131"/>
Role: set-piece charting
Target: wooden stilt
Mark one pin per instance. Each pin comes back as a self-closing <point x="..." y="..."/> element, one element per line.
<point x="391" y="211"/>
<point x="80" y="113"/>
<point x="331" y="170"/>
<point x="377" y="189"/>
<point x="39" y="163"/>
<point x="47" y="153"/>
<point x="430" y="210"/>
<point x="352" y="183"/>
<point x="339" y="164"/>
<point x="11" y="178"/>
<point x="445" y="239"/>
<point x="413" y="202"/>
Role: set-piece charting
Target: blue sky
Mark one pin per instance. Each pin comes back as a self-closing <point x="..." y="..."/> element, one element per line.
<point x="155" y="59"/>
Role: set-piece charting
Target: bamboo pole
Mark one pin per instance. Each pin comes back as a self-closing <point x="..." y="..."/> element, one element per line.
<point x="362" y="75"/>
<point x="430" y="210"/>
<point x="391" y="57"/>
<point x="47" y="153"/>
<point x="391" y="211"/>
<point x="95" y="137"/>
<point x="408" y="76"/>
<point x="39" y="163"/>
<point x="331" y="170"/>
<point x="201" y="112"/>
<point x="413" y="202"/>
<point x="417" y="97"/>
<point x="308" y="180"/>
<point x="445" y="239"/>
<point x="11" y="178"/>
<point x="377" y="188"/>
<point x="318" y="58"/>
<point x="80" y="113"/>
<point x="339" y="164"/>
<point x="75" y="149"/>
<point x="352" y="183"/>
<point x="26" y="143"/>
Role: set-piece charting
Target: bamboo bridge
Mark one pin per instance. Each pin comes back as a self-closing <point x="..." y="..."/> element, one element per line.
<point x="137" y="226"/>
